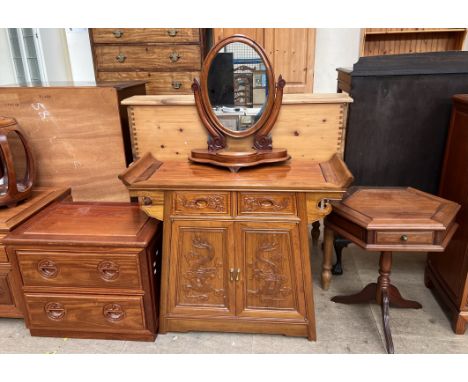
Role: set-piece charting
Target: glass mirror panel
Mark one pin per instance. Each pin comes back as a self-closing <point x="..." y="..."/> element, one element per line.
<point x="237" y="86"/>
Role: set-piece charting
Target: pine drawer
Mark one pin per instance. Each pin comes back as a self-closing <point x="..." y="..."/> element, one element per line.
<point x="146" y="35"/>
<point x="148" y="58"/>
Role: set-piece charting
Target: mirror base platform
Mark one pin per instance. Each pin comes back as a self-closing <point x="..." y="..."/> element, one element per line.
<point x="235" y="160"/>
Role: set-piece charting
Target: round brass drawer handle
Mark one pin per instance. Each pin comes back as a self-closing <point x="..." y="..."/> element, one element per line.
<point x="117" y="33"/>
<point x="176" y="84"/>
<point x="47" y="268"/>
<point x="55" y="311"/>
<point x="121" y="57"/>
<point x="174" y="56"/>
<point x="108" y="270"/>
<point x="172" y="32"/>
<point x="404" y="238"/>
<point x="113" y="312"/>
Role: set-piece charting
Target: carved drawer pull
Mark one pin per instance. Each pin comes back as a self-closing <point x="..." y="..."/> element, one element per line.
<point x="201" y="203"/>
<point x="120" y="57"/>
<point x="47" y="268"/>
<point x="113" y="312"/>
<point x="267" y="203"/>
<point x="109" y="271"/>
<point x="404" y="238"/>
<point x="176" y="84"/>
<point x="174" y="56"/>
<point x="117" y="33"/>
<point x="172" y="32"/>
<point x="55" y="311"/>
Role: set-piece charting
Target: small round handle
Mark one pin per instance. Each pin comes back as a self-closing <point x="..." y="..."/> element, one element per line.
<point x="176" y="84"/>
<point x="172" y="32"/>
<point x="404" y="238"/>
<point x="108" y="270"/>
<point x="147" y="201"/>
<point x="174" y="56"/>
<point x="47" y="268"/>
<point x="117" y="33"/>
<point x="55" y="311"/>
<point x="201" y="203"/>
<point x="267" y="203"/>
<point x="121" y="57"/>
<point x="113" y="312"/>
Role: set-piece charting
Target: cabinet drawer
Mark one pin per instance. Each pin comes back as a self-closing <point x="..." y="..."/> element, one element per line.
<point x="253" y="203"/>
<point x="3" y="254"/>
<point x="201" y="203"/>
<point x="94" y="312"/>
<point x="145" y="35"/>
<point x="160" y="57"/>
<point x="79" y="270"/>
<point x="157" y="82"/>
<point x="402" y="237"/>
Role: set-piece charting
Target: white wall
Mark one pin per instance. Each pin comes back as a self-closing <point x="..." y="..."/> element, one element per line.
<point x="55" y="52"/>
<point x="7" y="71"/>
<point x="79" y="50"/>
<point x="334" y="48"/>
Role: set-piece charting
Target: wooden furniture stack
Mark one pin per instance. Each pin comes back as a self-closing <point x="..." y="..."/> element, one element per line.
<point x="168" y="59"/>
<point x="291" y="52"/>
<point x="10" y="218"/>
<point x="387" y="220"/>
<point x="88" y="270"/>
<point x="236" y="249"/>
<point x="78" y="134"/>
<point x="447" y="273"/>
<point x="383" y="41"/>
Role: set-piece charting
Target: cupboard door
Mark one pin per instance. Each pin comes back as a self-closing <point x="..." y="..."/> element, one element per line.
<point x="270" y="283"/>
<point x="199" y="276"/>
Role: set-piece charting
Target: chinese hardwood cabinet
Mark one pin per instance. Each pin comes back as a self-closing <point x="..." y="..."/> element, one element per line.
<point x="235" y="245"/>
<point x="447" y="273"/>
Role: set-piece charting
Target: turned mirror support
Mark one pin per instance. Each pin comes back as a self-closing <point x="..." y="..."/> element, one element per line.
<point x="248" y="114"/>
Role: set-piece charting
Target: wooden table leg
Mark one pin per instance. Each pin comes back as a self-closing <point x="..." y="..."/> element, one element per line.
<point x="386" y="322"/>
<point x="339" y="244"/>
<point x="315" y="231"/>
<point x="327" y="257"/>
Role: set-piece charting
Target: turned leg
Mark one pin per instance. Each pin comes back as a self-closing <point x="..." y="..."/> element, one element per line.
<point x="386" y="322"/>
<point x="327" y="257"/>
<point x="339" y="244"/>
<point x="315" y="231"/>
<point x="383" y="286"/>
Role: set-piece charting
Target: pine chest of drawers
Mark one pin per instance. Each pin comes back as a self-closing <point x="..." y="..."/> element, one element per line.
<point x="88" y="270"/>
<point x="168" y="59"/>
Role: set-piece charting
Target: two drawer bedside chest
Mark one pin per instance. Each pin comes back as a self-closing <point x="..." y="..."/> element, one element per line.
<point x="386" y="220"/>
<point x="88" y="270"/>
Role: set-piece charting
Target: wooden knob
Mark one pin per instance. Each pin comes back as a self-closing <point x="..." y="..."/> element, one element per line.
<point x="113" y="312"/>
<point x="55" y="311"/>
<point x="47" y="268"/>
<point x="404" y="238"/>
<point x="108" y="270"/>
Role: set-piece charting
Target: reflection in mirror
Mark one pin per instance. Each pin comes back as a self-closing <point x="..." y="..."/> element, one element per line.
<point x="237" y="86"/>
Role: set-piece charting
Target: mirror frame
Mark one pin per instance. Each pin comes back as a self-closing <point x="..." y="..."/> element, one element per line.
<point x="205" y="109"/>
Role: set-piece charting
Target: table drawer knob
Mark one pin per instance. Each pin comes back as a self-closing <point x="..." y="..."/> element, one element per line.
<point x="55" y="311"/>
<point x="147" y="201"/>
<point x="117" y="33"/>
<point x="172" y="32"/>
<point x="404" y="238"/>
<point x="113" y="312"/>
<point x="121" y="57"/>
<point x="176" y="84"/>
<point x="174" y="57"/>
<point x="108" y="270"/>
<point x="47" y="268"/>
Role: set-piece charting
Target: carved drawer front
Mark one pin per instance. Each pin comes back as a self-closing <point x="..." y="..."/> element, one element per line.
<point x="79" y="270"/>
<point x="87" y="312"/>
<point x="260" y="203"/>
<point x="157" y="82"/>
<point x="402" y="237"/>
<point x="160" y="57"/>
<point x="5" y="293"/>
<point x="145" y="35"/>
<point x="3" y="254"/>
<point x="201" y="203"/>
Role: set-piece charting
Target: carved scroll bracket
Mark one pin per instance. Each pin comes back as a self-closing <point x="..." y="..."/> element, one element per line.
<point x="151" y="203"/>
<point x="319" y="206"/>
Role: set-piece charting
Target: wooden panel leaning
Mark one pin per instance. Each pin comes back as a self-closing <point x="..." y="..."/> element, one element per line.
<point x="77" y="134"/>
<point x="311" y="126"/>
<point x="88" y="270"/>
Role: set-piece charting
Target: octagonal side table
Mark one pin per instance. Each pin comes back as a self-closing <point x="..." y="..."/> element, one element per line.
<point x="387" y="220"/>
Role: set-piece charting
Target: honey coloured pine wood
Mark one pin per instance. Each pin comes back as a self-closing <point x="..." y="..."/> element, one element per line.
<point x="10" y="218"/>
<point x="88" y="270"/>
<point x="236" y="247"/>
